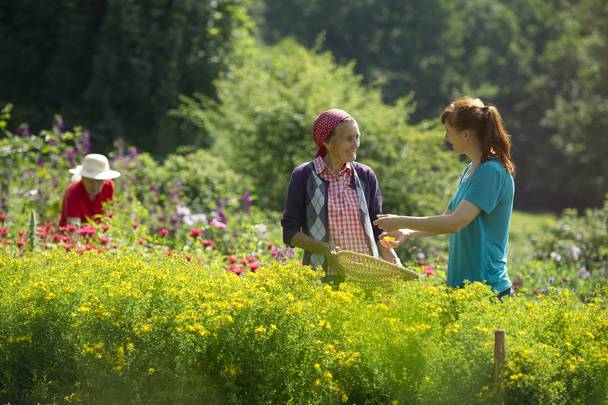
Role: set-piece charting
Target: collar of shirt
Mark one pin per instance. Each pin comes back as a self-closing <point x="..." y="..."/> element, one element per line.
<point x="322" y="168"/>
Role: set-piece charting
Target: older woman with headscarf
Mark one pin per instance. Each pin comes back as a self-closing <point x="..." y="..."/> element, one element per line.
<point x="332" y="201"/>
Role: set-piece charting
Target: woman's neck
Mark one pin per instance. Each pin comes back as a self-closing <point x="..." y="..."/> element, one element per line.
<point x="475" y="156"/>
<point x="335" y="165"/>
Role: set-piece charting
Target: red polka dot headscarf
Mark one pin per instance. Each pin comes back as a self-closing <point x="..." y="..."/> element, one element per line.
<point x="324" y="125"/>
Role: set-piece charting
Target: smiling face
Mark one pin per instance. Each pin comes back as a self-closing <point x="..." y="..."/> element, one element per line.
<point x="342" y="147"/>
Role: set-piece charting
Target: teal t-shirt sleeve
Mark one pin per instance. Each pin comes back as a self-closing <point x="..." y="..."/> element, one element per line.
<point x="486" y="188"/>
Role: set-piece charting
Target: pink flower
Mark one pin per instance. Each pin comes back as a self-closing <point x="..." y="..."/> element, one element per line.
<point x="217" y="224"/>
<point x="2" y="217"/>
<point x="21" y="243"/>
<point x="67" y="228"/>
<point x="254" y="266"/>
<point x="208" y="244"/>
<point x="103" y="241"/>
<point x="428" y="270"/>
<point x="163" y="232"/>
<point x="231" y="259"/>
<point x="195" y="232"/>
<point x="105" y="227"/>
<point x="68" y="247"/>
<point x="3" y="231"/>
<point x="134" y="225"/>
<point x="87" y="231"/>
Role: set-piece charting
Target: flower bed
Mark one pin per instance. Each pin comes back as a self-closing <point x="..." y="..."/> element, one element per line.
<point x="109" y="328"/>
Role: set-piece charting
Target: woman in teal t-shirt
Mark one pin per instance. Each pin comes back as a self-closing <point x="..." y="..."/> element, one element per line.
<point x="479" y="213"/>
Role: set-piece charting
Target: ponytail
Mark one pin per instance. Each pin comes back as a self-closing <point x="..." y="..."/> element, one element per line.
<point x="486" y="123"/>
<point x="496" y="143"/>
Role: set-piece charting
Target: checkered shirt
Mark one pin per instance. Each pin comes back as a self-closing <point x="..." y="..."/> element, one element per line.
<point x="343" y="212"/>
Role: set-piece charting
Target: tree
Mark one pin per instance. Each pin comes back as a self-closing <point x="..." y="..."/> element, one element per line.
<point x="116" y="65"/>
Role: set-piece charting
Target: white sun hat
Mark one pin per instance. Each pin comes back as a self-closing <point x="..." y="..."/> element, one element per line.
<point x="96" y="167"/>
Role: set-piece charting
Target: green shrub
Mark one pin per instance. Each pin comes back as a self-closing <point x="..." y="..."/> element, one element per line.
<point x="113" y="328"/>
<point x="262" y="121"/>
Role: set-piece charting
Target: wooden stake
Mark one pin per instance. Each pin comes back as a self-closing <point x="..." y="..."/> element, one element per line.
<point x="499" y="361"/>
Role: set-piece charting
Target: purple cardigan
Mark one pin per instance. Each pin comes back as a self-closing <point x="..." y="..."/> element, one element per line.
<point x="294" y="216"/>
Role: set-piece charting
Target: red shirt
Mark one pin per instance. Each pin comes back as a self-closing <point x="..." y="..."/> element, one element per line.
<point x="344" y="216"/>
<point x="78" y="204"/>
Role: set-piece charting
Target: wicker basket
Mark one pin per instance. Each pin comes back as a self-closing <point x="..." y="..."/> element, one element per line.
<point x="370" y="271"/>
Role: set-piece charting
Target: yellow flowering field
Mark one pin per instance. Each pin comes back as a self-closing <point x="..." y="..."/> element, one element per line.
<point x="102" y="328"/>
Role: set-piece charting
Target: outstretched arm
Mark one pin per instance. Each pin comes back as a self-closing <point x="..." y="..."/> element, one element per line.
<point x="436" y="225"/>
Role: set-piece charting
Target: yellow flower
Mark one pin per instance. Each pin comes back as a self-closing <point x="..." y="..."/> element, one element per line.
<point x="317" y="366"/>
<point x="260" y="330"/>
<point x="151" y="370"/>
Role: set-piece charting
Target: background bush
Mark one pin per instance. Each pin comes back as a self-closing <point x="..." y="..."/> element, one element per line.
<point x="269" y="132"/>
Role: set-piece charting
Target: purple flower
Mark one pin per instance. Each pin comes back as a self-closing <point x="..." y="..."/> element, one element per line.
<point x="52" y="142"/>
<point x="120" y="146"/>
<point x="40" y="161"/>
<point x="260" y="230"/>
<point x="247" y="201"/>
<point x="71" y="155"/>
<point x="54" y="181"/>
<point x="576" y="252"/>
<point x="85" y="138"/>
<point x="132" y="152"/>
<point x="551" y="281"/>
<point x="58" y="125"/>
<point x="583" y="273"/>
<point x="23" y="130"/>
<point x="220" y="216"/>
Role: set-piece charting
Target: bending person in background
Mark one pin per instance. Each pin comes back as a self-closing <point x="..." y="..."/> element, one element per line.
<point x="479" y="213"/>
<point x="92" y="187"/>
<point x="333" y="200"/>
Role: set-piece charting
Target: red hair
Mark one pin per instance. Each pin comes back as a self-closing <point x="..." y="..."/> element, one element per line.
<point x="487" y="125"/>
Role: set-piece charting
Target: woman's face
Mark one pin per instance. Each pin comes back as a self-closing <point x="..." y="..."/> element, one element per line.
<point x="344" y="144"/>
<point x="458" y="139"/>
<point x="93" y="187"/>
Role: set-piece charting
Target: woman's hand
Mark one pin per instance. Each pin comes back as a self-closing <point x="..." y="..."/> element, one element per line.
<point x="388" y="222"/>
<point x="331" y="256"/>
<point x="394" y="239"/>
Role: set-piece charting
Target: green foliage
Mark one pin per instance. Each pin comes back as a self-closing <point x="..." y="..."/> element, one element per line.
<point x="578" y="241"/>
<point x="117" y="65"/>
<point x="543" y="63"/>
<point x="268" y="101"/>
<point x="116" y="328"/>
<point x="206" y="180"/>
<point x="34" y="167"/>
<point x="35" y="176"/>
